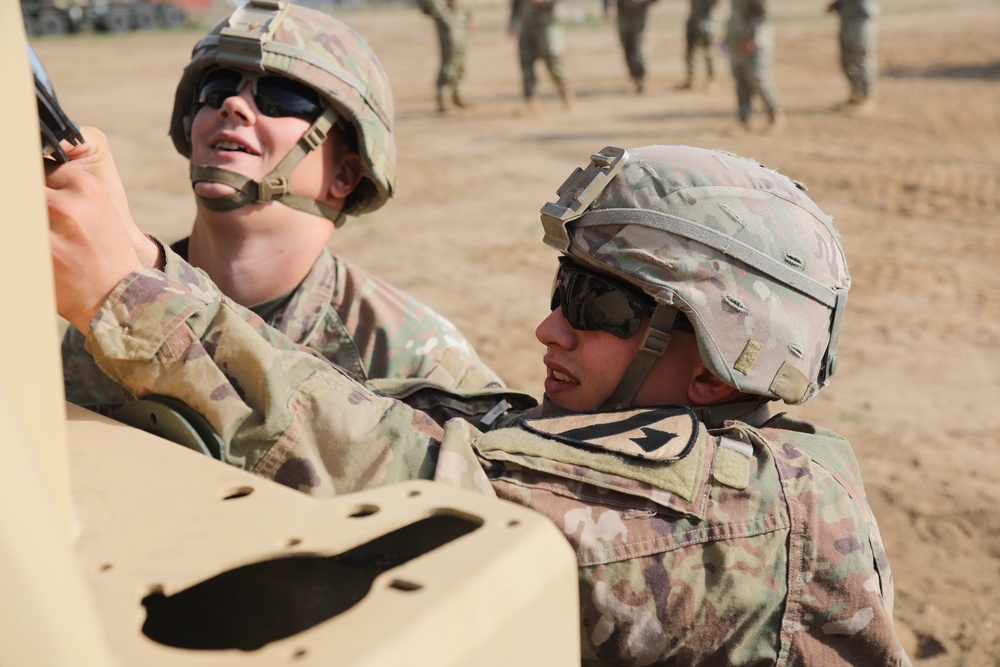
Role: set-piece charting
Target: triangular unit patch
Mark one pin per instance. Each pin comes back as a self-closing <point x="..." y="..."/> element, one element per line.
<point x="652" y="434"/>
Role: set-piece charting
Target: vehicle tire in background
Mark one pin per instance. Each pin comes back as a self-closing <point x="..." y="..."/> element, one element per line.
<point x="30" y="26"/>
<point x="171" y="16"/>
<point x="52" y="22"/>
<point x="116" y="19"/>
<point x="145" y="17"/>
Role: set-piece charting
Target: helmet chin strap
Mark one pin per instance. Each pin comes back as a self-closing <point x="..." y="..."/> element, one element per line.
<point x="654" y="344"/>
<point x="274" y="186"/>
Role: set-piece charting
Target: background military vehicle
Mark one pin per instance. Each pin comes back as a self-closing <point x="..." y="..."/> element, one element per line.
<point x="59" y="17"/>
<point x="118" y="547"/>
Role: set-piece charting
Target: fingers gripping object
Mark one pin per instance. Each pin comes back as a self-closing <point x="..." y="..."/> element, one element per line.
<point x="53" y="122"/>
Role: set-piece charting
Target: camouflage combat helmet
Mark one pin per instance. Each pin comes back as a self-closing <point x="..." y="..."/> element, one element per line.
<point x="314" y="49"/>
<point x="741" y="250"/>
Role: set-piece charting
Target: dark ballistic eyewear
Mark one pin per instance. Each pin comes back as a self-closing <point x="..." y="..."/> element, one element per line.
<point x="592" y="302"/>
<point x="275" y="96"/>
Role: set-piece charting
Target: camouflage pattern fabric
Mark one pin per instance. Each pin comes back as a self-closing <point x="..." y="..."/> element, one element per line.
<point x="699" y="36"/>
<point x="344" y="313"/>
<point x="757" y="548"/>
<point x="749" y="545"/>
<point x="451" y="18"/>
<point x="750" y="42"/>
<point x="540" y="37"/>
<point x="858" y="38"/>
<point x="741" y="250"/>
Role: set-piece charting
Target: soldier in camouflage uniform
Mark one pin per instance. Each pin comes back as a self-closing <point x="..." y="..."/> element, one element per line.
<point x="699" y="36"/>
<point x="858" y="38"/>
<point x="750" y="42"/>
<point x="694" y="287"/>
<point x="631" y="18"/>
<point x="265" y="244"/>
<point x="539" y="37"/>
<point x="453" y="21"/>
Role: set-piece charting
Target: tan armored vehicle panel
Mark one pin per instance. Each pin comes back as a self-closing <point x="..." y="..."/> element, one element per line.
<point x="118" y="547"/>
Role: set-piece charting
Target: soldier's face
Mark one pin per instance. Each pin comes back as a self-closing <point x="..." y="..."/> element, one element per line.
<point x="585" y="367"/>
<point x="239" y="137"/>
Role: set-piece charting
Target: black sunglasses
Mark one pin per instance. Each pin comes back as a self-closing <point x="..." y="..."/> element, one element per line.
<point x="275" y="96"/>
<point x="592" y="302"/>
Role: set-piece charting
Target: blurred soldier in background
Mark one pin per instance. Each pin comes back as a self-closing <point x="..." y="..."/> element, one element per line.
<point x="631" y="17"/>
<point x="539" y="37"/>
<point x="454" y="23"/>
<point x="858" y="45"/>
<point x="750" y="42"/>
<point x="693" y="288"/>
<point x="699" y="36"/>
<point x="282" y="146"/>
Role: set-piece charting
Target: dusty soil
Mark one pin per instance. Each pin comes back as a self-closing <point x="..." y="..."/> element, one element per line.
<point x="915" y="189"/>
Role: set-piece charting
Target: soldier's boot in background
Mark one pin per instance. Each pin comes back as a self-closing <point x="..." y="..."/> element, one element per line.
<point x="458" y="99"/>
<point x="440" y="100"/>
<point x="568" y="97"/>
<point x="776" y="120"/>
<point x="639" y="85"/>
<point x="688" y="82"/>
<point x="745" y="123"/>
<point x="532" y="104"/>
<point x="863" y="106"/>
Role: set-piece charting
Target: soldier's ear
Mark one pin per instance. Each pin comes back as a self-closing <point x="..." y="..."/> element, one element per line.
<point x="347" y="176"/>
<point x="705" y="388"/>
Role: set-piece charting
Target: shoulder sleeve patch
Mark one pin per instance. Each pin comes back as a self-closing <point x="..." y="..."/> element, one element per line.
<point x="651" y="434"/>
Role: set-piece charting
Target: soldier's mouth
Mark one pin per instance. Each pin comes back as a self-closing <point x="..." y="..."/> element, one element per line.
<point x="232" y="147"/>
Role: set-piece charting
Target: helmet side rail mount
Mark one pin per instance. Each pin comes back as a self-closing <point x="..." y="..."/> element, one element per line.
<point x="242" y="42"/>
<point x="578" y="192"/>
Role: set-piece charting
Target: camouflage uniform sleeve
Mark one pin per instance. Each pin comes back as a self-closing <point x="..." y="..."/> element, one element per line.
<point x="84" y="382"/>
<point x="281" y="411"/>
<point x="840" y="585"/>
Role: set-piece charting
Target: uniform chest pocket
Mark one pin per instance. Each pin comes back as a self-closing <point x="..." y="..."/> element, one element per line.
<point x="613" y="497"/>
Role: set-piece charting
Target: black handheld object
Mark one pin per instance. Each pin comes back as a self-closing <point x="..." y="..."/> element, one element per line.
<point x="54" y="123"/>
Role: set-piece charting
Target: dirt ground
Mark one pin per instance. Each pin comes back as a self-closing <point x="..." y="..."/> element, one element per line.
<point x="914" y="188"/>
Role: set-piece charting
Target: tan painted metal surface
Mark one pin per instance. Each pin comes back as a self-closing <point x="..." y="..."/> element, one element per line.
<point x="160" y="517"/>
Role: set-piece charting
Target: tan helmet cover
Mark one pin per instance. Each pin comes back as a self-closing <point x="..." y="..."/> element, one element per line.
<point x="751" y="260"/>
<point x="314" y="49"/>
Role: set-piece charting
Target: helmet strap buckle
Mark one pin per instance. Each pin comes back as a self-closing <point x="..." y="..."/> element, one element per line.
<point x="272" y="188"/>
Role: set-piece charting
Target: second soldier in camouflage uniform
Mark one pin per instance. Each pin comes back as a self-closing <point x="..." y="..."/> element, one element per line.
<point x="631" y="19"/>
<point x="453" y="22"/>
<point x="323" y="301"/>
<point x="750" y="43"/>
<point x="539" y="37"/>
<point x="694" y="287"/>
<point x="699" y="37"/>
<point x="858" y="38"/>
